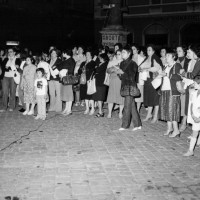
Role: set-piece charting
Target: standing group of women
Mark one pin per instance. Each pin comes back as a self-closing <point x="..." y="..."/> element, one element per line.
<point x="126" y="78"/>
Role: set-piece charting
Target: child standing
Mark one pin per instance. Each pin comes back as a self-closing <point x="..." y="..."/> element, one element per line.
<point x="194" y="117"/>
<point x="41" y="93"/>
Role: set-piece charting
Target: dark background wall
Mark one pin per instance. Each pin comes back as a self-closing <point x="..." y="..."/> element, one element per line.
<point x="38" y="24"/>
<point x="162" y="22"/>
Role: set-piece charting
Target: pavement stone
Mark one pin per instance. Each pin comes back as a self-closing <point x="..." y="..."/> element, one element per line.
<point x="81" y="157"/>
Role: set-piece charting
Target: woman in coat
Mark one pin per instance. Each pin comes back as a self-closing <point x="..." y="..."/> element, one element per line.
<point x="140" y="83"/>
<point x="152" y="65"/>
<point x="88" y="68"/>
<point x="114" y="96"/>
<point x="193" y="71"/>
<point x="101" y="89"/>
<point x="128" y="72"/>
<point x="67" y="67"/>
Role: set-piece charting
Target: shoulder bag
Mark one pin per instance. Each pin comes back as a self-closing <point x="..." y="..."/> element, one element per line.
<point x="91" y="85"/>
<point x="70" y="80"/>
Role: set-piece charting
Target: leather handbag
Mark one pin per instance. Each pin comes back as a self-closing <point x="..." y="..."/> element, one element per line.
<point x="70" y="80"/>
<point x="130" y="90"/>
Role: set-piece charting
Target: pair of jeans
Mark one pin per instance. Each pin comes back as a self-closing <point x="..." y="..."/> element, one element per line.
<point x="9" y="91"/>
<point x="21" y="96"/>
<point x="130" y="113"/>
<point x="55" y="96"/>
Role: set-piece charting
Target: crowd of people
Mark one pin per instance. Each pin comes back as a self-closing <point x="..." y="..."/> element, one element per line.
<point x="167" y="85"/>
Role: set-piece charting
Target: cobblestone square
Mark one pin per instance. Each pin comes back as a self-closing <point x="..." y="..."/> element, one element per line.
<point x="81" y="157"/>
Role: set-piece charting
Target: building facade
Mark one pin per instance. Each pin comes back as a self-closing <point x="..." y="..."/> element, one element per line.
<point x="161" y="22"/>
<point x="41" y="23"/>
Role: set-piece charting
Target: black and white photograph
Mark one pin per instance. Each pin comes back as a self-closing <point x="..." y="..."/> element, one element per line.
<point x="99" y="99"/>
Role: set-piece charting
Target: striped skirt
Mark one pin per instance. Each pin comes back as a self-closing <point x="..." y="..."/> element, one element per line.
<point x="170" y="107"/>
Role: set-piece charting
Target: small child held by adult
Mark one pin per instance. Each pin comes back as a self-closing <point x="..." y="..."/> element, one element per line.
<point x="194" y="117"/>
<point x="41" y="93"/>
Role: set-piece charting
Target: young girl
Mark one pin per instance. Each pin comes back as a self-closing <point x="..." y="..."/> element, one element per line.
<point x="41" y="93"/>
<point x="194" y="117"/>
<point x="27" y="85"/>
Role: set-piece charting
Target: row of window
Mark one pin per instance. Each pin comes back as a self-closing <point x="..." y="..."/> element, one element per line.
<point x="154" y="2"/>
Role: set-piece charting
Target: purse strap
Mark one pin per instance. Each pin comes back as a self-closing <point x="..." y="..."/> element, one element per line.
<point x="91" y="75"/>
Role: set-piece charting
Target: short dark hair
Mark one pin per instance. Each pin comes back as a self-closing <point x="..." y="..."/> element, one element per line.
<point x="31" y="58"/>
<point x="82" y="47"/>
<point x="90" y="50"/>
<point x="119" y="45"/>
<point x="136" y="46"/>
<point x="195" y="48"/>
<point x="104" y="56"/>
<point x="68" y="52"/>
<point x="128" y="49"/>
<point x="143" y="49"/>
<point x="183" y="47"/>
<point x="152" y="46"/>
<point x="56" y="50"/>
<point x="40" y="70"/>
<point x="172" y="52"/>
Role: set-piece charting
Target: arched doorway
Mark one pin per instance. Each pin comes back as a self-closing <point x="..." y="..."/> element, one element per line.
<point x="190" y="34"/>
<point x="156" y="34"/>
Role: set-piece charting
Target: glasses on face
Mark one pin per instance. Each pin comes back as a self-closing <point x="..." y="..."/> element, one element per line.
<point x="10" y="51"/>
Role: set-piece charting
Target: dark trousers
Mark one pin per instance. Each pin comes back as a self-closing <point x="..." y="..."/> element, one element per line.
<point x="9" y="91"/>
<point x="130" y="112"/>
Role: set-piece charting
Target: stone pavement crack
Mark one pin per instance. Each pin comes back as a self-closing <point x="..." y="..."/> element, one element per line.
<point x="32" y="131"/>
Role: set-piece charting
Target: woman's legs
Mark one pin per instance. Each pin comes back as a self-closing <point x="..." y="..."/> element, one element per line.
<point x="176" y="130"/>
<point x="135" y="116"/>
<point x="139" y="106"/>
<point x="149" y="114"/>
<point x="91" y="102"/>
<point x="27" y="109"/>
<point x="193" y="140"/>
<point x="169" y="128"/>
<point x="66" y="108"/>
<point x="110" y="107"/>
<point x="183" y="124"/>
<point x="100" y="107"/>
<point x="69" y="106"/>
<point x="31" y="112"/>
<point x="155" y="116"/>
<point x="87" y="106"/>
<point x="121" y="108"/>
<point x="77" y="96"/>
